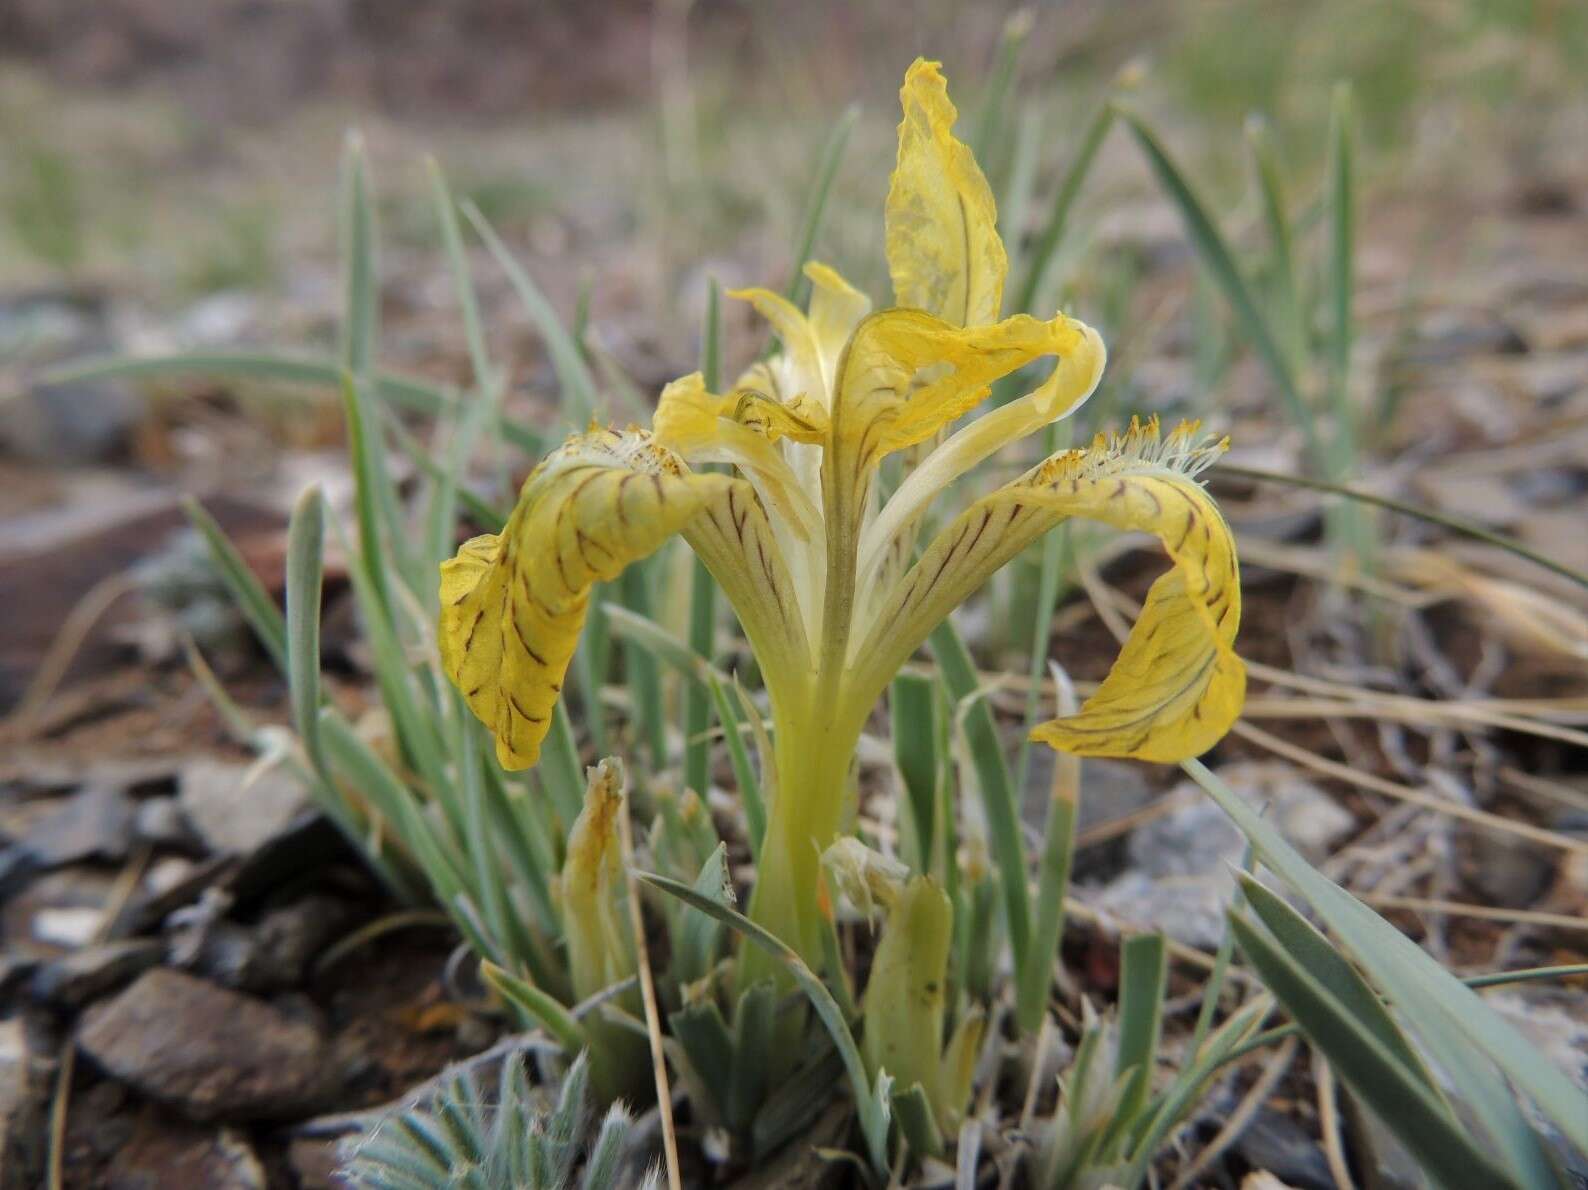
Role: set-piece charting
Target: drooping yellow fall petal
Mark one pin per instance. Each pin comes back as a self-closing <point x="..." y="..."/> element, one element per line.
<point x="512" y="605"/>
<point x="1177" y="685"/>
<point x="944" y="252"/>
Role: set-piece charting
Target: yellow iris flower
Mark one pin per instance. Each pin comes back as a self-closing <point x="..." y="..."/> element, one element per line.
<point x="829" y="581"/>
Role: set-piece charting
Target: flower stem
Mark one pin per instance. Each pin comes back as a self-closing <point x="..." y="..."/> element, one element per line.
<point x="813" y="754"/>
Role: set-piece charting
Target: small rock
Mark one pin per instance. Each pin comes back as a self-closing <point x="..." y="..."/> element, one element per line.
<point x="87" y="974"/>
<point x="1181" y="864"/>
<point x="1110" y="790"/>
<point x="95" y="823"/>
<point x="234" y="807"/>
<point x="1279" y="1145"/>
<point x="162" y="1157"/>
<point x="211" y="1053"/>
<point x="25" y="1074"/>
<point x="81" y="420"/>
<point x="1503" y="870"/>
<point x="160" y="823"/>
<point x="58" y="911"/>
<point x="1445" y="335"/>
<point x="69" y="927"/>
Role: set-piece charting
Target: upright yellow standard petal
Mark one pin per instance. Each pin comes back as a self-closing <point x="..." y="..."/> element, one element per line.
<point x="799" y="342"/>
<point x="908" y="374"/>
<point x="512" y="604"/>
<point x="944" y="253"/>
<point x="1177" y="685"/>
<point x="836" y="309"/>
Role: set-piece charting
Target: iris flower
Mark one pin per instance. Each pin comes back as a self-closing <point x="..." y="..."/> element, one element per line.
<point x="831" y="581"/>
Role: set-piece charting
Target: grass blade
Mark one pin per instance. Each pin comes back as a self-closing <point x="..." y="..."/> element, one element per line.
<point x="537" y="1005"/>
<point x="1420" y="1121"/>
<point x="1144" y="972"/>
<point x="1281" y="245"/>
<point x="744" y="773"/>
<point x="1219" y="261"/>
<point x="913" y="703"/>
<point x="360" y="313"/>
<point x="407" y="392"/>
<point x="1454" y="524"/>
<point x="798" y="288"/>
<point x="1341" y="276"/>
<point x="573" y="374"/>
<point x="1052" y="234"/>
<point x="997" y="787"/>
<point x="1435" y="1004"/>
<point x="305" y="575"/>
<point x="873" y="1115"/>
<point x="256" y="604"/>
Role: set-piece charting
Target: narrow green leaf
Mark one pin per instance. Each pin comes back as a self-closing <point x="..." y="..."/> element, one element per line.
<point x="1281" y="246"/>
<point x="305" y="573"/>
<point x="708" y="1044"/>
<point x="255" y="603"/>
<point x="1441" y="1145"/>
<point x="914" y="1112"/>
<point x="873" y="1118"/>
<point x="1052" y="233"/>
<point x="702" y="587"/>
<point x="997" y="788"/>
<point x="695" y="952"/>
<point x="1435" y="1005"/>
<point x="408" y="392"/>
<point x="578" y="386"/>
<point x="1455" y="525"/>
<point x="559" y="1022"/>
<point x="1144" y="972"/>
<point x="913" y="702"/>
<point x="1219" y="261"/>
<point x="361" y="299"/>
<point x="1305" y="946"/>
<point x="1341" y="276"/>
<point x="634" y="627"/>
<point x="1053" y="881"/>
<point x="743" y="772"/>
<point x="798" y="287"/>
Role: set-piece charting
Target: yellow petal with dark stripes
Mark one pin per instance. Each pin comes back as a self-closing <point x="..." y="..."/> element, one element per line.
<point x="512" y="605"/>
<point x="944" y="253"/>
<point x="907" y="375"/>
<point x="1177" y="685"/>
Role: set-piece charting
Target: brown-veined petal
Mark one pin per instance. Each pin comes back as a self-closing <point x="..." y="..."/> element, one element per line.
<point x="740" y="429"/>
<point x="1177" y="685"/>
<point x="944" y="252"/>
<point x="512" y="605"/>
<point x="907" y="374"/>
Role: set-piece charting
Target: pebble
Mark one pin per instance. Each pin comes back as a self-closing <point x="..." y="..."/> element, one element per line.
<point x="95" y="823"/>
<point x="234" y="809"/>
<point x="87" y="974"/>
<point x="1181" y="865"/>
<point x="210" y="1053"/>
